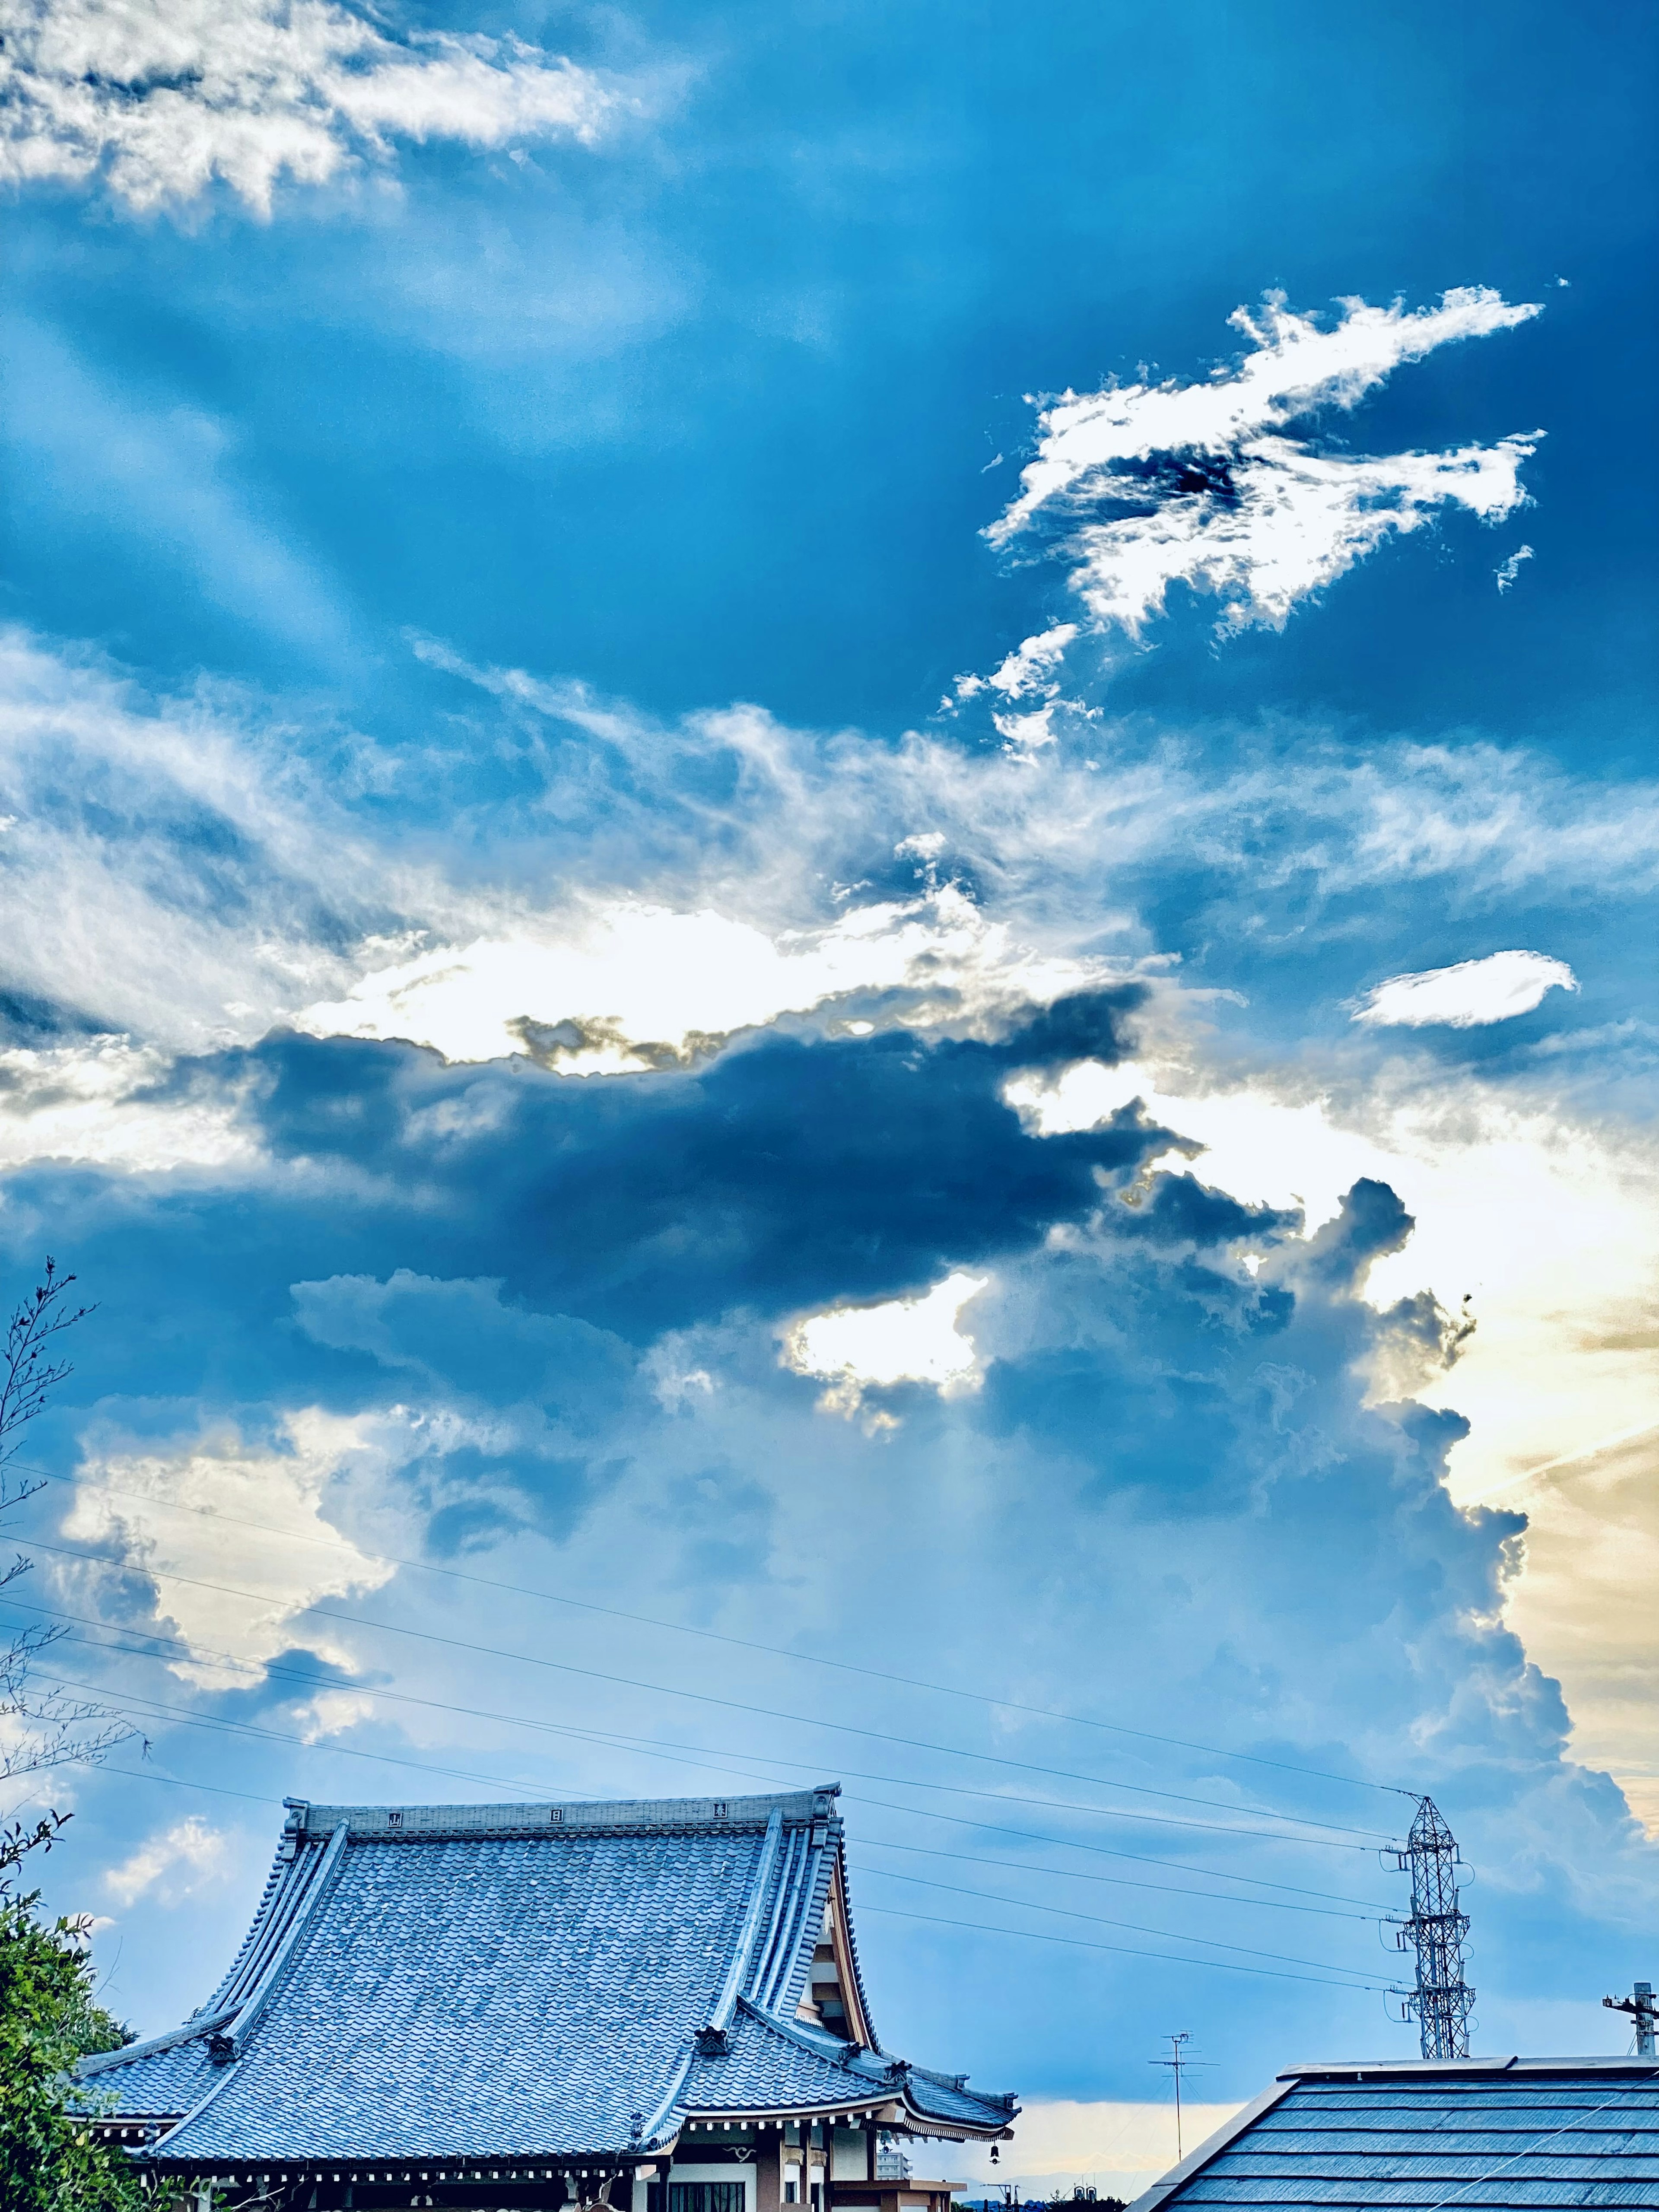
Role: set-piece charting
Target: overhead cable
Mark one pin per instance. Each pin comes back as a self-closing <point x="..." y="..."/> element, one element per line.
<point x="739" y="1643"/>
<point x="1374" y="1838"/>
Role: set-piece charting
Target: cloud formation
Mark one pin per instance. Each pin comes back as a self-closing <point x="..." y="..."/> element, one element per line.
<point x="900" y="1341"/>
<point x="540" y="1319"/>
<point x="171" y="1863"/>
<point x="1150" y="485"/>
<point x="162" y="100"/>
<point x="148" y="1505"/>
<point x="620" y="987"/>
<point x="1466" y="995"/>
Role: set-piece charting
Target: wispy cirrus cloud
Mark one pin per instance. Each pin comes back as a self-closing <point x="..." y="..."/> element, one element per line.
<point x="211" y="874"/>
<point x="163" y="101"/>
<point x="1201" y="483"/>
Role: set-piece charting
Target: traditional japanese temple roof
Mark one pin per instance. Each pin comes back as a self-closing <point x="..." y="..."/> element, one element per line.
<point x="1527" y="2135"/>
<point x="528" y="1982"/>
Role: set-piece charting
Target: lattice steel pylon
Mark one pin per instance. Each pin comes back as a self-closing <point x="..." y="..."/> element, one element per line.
<point x="1443" y="2000"/>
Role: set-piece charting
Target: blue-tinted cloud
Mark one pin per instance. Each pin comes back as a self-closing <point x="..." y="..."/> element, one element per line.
<point x="319" y="949"/>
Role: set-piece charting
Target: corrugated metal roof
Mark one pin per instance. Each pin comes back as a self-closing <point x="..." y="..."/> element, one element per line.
<point x="449" y="1983"/>
<point x="1538" y="2134"/>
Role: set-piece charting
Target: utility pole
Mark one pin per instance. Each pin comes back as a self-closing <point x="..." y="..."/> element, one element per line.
<point x="1174" y="2062"/>
<point x="1443" y="2000"/>
<point x="1642" y="2009"/>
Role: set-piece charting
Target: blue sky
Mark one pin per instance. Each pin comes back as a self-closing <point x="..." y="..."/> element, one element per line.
<point x="593" y="1023"/>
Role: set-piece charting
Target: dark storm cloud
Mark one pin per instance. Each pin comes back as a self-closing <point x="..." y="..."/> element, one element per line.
<point x="789" y="1172"/>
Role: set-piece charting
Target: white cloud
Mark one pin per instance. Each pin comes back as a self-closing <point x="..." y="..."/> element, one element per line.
<point x="900" y="1341"/>
<point x="164" y="98"/>
<point x="126" y="1498"/>
<point x="1289" y="522"/>
<point x="1027" y="669"/>
<point x="105" y="1100"/>
<point x="1511" y="568"/>
<point x="623" y="985"/>
<point x="173" y="1864"/>
<point x="641" y="902"/>
<point x="1027" y="672"/>
<point x="1466" y="995"/>
<point x="113" y="903"/>
<point x="1202" y="486"/>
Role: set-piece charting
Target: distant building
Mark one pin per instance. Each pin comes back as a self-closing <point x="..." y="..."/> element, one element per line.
<point x="1466" y="2135"/>
<point x="651" y="2007"/>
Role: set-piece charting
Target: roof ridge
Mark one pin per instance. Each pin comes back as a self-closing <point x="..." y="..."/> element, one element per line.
<point x="1468" y="2069"/>
<point x="198" y="2026"/>
<point x="712" y="2039"/>
<point x="812" y="1896"/>
<point x="820" y="2042"/>
<point x="228" y="2040"/>
<point x="415" y="1823"/>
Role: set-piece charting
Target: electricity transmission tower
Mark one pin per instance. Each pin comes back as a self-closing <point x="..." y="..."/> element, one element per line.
<point x="1443" y="2000"/>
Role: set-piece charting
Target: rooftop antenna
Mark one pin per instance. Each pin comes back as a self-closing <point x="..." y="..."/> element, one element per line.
<point x="1174" y="2062"/>
<point x="1443" y="2001"/>
<point x="1642" y="2009"/>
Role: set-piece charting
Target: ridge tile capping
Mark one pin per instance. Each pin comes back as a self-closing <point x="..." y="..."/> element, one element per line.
<point x="637" y="1815"/>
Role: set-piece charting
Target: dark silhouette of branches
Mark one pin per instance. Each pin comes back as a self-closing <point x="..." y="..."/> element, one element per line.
<point x="37" y="1731"/>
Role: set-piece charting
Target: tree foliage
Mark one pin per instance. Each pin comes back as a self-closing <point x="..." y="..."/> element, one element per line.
<point x="49" y="2017"/>
<point x="49" y="2160"/>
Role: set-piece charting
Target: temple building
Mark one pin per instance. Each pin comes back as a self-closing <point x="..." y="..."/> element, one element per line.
<point x="651" y="2007"/>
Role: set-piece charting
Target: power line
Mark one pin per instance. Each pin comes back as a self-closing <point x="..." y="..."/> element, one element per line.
<point x="150" y="1774"/>
<point x="1123" y="1882"/>
<point x="651" y="1747"/>
<point x="1084" y="1943"/>
<point x="147" y="1707"/>
<point x="1103" y="1850"/>
<point x="734" y="1704"/>
<point x="1100" y="1920"/>
<point x="716" y="1636"/>
<point x="648" y="1747"/>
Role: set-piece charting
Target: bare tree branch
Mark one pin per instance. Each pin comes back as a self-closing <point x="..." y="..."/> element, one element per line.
<point x="38" y="1731"/>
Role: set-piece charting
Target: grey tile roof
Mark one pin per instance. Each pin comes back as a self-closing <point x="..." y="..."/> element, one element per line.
<point x="1543" y="2134"/>
<point x="515" y="1981"/>
<point x="945" y="2097"/>
<point x="769" y="2068"/>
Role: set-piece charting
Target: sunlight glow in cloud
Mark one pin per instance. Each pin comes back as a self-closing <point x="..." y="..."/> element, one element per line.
<point x="125" y="1504"/>
<point x="1154" y="485"/>
<point x="1467" y="995"/>
<point x="901" y="1340"/>
<point x="106" y="1100"/>
<point x="165" y="100"/>
<point x="1536" y="1217"/>
<point x="633" y="987"/>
